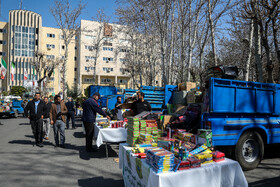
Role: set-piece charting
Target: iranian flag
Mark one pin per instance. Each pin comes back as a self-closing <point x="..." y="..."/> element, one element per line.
<point x="25" y="75"/>
<point x="3" y="69"/>
<point x="13" y="69"/>
<point x="33" y="76"/>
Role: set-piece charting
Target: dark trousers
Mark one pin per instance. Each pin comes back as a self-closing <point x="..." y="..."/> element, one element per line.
<point x="89" y="127"/>
<point x="37" y="129"/>
<point x="70" y="114"/>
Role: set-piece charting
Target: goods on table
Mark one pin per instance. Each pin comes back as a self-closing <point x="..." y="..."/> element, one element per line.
<point x="160" y="160"/>
<point x="145" y="138"/>
<point x="132" y="131"/>
<point x="218" y="156"/>
<point x="195" y="163"/>
<point x="207" y="135"/>
<point x="204" y="158"/>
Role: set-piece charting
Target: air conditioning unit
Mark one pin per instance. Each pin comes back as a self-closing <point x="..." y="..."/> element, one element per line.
<point x="108" y="71"/>
<point x="107" y="61"/>
<point x="87" y="70"/>
<point x="90" y="49"/>
<point x="123" y="72"/>
<point x="87" y="60"/>
<point x="49" y="48"/>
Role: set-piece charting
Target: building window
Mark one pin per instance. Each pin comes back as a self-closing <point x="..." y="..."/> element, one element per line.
<point x="75" y="58"/>
<point x="88" y="68"/>
<point x="90" y="37"/>
<point x="106" y="80"/>
<point x="124" y="50"/>
<point x="3" y="42"/>
<point x="24" y="41"/>
<point x="52" y="78"/>
<point x="88" y="80"/>
<point x="50" y="57"/>
<point x="122" y="59"/>
<point x="75" y="79"/>
<point x="107" y="43"/>
<point x="75" y="69"/>
<point x="49" y="35"/>
<point x="89" y="58"/>
<point x="108" y="69"/>
<point x="2" y="53"/>
<point x="63" y="47"/>
<point x="89" y="47"/>
<point x="76" y="48"/>
<point x="107" y="49"/>
<point x="3" y="30"/>
<point x="121" y="81"/>
<point x="107" y="59"/>
<point x="50" y="46"/>
<point x="62" y="57"/>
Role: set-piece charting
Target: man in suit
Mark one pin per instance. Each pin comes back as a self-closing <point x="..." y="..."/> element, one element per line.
<point x="90" y="107"/>
<point x="57" y="116"/>
<point x="35" y="110"/>
<point x="71" y="113"/>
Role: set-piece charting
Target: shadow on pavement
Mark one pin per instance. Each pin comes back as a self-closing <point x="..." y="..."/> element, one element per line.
<point x="29" y="136"/>
<point x="100" y="181"/>
<point x="24" y="124"/>
<point x="272" y="182"/>
<point x="78" y="135"/>
<point x="78" y="125"/>
<point x="101" y="153"/>
<point x="26" y="142"/>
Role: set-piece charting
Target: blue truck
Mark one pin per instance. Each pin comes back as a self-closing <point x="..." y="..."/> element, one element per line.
<point x="244" y="117"/>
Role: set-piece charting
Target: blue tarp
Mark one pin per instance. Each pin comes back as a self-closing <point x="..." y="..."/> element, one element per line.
<point x="103" y="90"/>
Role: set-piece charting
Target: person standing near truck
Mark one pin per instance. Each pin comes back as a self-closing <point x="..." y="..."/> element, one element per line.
<point x="140" y="105"/>
<point x="46" y="120"/>
<point x="90" y="107"/>
<point x="35" y="111"/>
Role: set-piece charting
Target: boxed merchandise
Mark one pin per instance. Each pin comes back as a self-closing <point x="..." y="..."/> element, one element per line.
<point x="218" y="156"/>
<point x="207" y="135"/>
<point x="184" y="165"/>
<point x="189" y="146"/>
<point x="193" y="139"/>
<point x="194" y="162"/>
<point x="145" y="138"/>
<point x="204" y="158"/>
<point x="199" y="150"/>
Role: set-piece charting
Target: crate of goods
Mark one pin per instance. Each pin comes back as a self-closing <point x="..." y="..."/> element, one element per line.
<point x="133" y="132"/>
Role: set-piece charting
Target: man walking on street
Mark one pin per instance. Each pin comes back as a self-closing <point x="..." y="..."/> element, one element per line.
<point x="57" y="116"/>
<point x="71" y="113"/>
<point x="46" y="120"/>
<point x="90" y="107"/>
<point x="36" y="110"/>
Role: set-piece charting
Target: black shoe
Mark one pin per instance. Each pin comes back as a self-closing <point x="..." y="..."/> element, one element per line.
<point x="37" y="144"/>
<point x="56" y="145"/>
<point x="62" y="146"/>
<point x="40" y="145"/>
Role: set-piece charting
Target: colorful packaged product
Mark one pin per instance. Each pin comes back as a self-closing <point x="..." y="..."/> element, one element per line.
<point x="194" y="162"/>
<point x="218" y="156"/>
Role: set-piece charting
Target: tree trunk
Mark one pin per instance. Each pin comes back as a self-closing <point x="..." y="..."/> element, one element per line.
<point x="258" y="60"/>
<point x="275" y="41"/>
<point x="212" y="30"/>
<point x="250" y="51"/>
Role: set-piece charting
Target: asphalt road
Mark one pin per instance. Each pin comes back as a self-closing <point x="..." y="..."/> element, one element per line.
<point x="23" y="164"/>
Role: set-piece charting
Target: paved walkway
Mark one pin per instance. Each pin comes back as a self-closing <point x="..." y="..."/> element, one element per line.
<point x="23" y="164"/>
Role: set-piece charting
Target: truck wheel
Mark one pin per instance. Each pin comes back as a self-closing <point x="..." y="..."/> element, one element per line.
<point x="249" y="150"/>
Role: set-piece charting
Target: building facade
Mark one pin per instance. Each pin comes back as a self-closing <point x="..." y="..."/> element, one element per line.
<point x="99" y="51"/>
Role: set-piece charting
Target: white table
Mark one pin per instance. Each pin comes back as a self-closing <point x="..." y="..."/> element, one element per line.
<point x="109" y="135"/>
<point x="136" y="172"/>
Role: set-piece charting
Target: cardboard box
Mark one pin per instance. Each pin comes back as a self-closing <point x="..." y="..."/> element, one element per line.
<point x="126" y="105"/>
<point x="187" y="86"/>
<point x="166" y="119"/>
<point x="191" y="97"/>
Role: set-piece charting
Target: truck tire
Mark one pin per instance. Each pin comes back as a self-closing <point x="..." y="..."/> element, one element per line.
<point x="249" y="150"/>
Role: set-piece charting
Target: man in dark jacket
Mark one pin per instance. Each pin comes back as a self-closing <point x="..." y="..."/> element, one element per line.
<point x="140" y="105"/>
<point x="46" y="120"/>
<point x="70" y="114"/>
<point x="36" y="110"/>
<point x="90" y="107"/>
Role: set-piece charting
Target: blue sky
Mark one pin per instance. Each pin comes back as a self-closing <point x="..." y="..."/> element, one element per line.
<point x="42" y="7"/>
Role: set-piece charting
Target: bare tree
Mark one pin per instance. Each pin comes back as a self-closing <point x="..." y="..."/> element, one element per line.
<point x="66" y="18"/>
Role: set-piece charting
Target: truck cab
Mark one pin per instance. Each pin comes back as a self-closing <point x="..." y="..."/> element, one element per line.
<point x="243" y="115"/>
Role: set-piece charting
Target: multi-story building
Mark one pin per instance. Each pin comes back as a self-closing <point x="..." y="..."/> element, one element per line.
<point x="102" y="44"/>
<point x="98" y="46"/>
